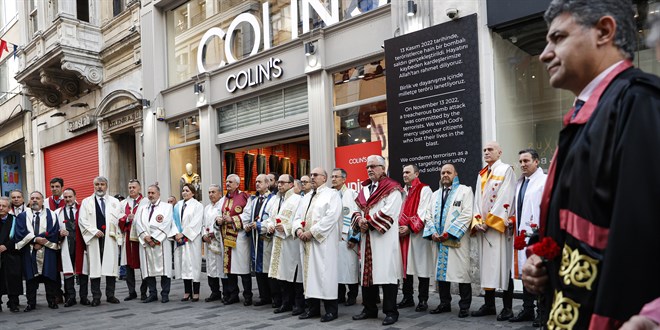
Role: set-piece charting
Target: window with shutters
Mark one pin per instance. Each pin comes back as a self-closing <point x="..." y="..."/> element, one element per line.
<point x="280" y="104"/>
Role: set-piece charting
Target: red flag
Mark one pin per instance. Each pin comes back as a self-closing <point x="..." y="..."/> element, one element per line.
<point x="3" y="46"/>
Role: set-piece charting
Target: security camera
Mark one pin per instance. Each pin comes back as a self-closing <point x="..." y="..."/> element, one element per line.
<point x="160" y="114"/>
<point x="452" y="13"/>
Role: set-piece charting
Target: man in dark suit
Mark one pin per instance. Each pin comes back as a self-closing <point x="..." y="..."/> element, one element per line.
<point x="11" y="278"/>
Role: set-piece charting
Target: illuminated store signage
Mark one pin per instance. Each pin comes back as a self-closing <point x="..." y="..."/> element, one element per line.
<point x="254" y="76"/>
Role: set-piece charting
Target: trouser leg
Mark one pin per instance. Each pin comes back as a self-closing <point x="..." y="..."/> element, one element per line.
<point x="247" y="286"/>
<point x="444" y="291"/>
<point x="52" y="288"/>
<point x="232" y="280"/>
<point x="353" y="290"/>
<point x="507" y="295"/>
<point x="151" y="284"/>
<point x="226" y="287"/>
<point x="187" y="287"/>
<point x="341" y="292"/>
<point x="214" y="285"/>
<point x="528" y="300"/>
<point x="143" y="288"/>
<point x="408" y="287"/>
<point x="489" y="298"/>
<point x="130" y="280"/>
<point x="165" y="283"/>
<point x="369" y="298"/>
<point x="275" y="291"/>
<point x="389" y="299"/>
<point x="70" y="288"/>
<point x="314" y="306"/>
<point x="299" y="295"/>
<point x="263" y="286"/>
<point x="83" y="281"/>
<point x="331" y="306"/>
<point x="195" y="287"/>
<point x="465" y="291"/>
<point x="110" y="286"/>
<point x="423" y="288"/>
<point x="96" y="287"/>
<point x="31" y="287"/>
<point x="287" y="293"/>
<point x="12" y="300"/>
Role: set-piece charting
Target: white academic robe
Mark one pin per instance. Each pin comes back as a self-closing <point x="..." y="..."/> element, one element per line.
<point x="348" y="264"/>
<point x="385" y="250"/>
<point x="157" y="260"/>
<point x="531" y="211"/>
<point x="285" y="257"/>
<point x="214" y="249"/>
<point x="261" y="245"/>
<point x="498" y="190"/>
<point x="320" y="253"/>
<point x="109" y="266"/>
<point x="67" y="263"/>
<point x="188" y="257"/>
<point x="453" y="263"/>
<point x="421" y="251"/>
<point x="133" y="233"/>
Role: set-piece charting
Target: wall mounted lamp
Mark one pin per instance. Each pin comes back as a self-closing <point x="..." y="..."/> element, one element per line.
<point x="145" y="103"/>
<point x="309" y="49"/>
<point x="412" y="8"/>
<point x="198" y="88"/>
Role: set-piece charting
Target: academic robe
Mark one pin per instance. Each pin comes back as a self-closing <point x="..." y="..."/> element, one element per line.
<point x="214" y="249"/>
<point x="600" y="204"/>
<point x="73" y="251"/>
<point x="130" y="250"/>
<point x="530" y="214"/>
<point x="386" y="265"/>
<point x="16" y="210"/>
<point x="285" y="261"/>
<point x="11" y="268"/>
<point x="495" y="246"/>
<point x="188" y="254"/>
<point x="42" y="261"/>
<point x="322" y="218"/>
<point x="106" y="263"/>
<point x="53" y="204"/>
<point x="236" y="243"/>
<point x="421" y="253"/>
<point x="261" y="243"/>
<point x="156" y="260"/>
<point x="348" y="264"/>
<point x="453" y="261"/>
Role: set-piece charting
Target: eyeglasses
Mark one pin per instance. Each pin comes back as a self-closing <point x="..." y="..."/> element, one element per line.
<point x="283" y="182"/>
<point x="316" y="174"/>
<point x="374" y="166"/>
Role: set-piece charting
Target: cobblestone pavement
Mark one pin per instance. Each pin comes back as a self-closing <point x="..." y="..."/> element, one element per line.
<point x="177" y="314"/>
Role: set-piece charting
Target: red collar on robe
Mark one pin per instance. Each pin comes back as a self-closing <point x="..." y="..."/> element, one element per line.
<point x="385" y="186"/>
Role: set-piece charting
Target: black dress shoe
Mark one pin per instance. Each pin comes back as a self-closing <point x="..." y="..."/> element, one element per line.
<point x="524" y="315"/>
<point x="350" y="302"/>
<point x="143" y="296"/>
<point x="390" y="320"/>
<point x="297" y="312"/>
<point x="53" y="305"/>
<point x="261" y="302"/>
<point x="505" y="314"/>
<point x="283" y="309"/>
<point x="463" y="313"/>
<point x="164" y="299"/>
<point x="276" y="304"/>
<point x="95" y="302"/>
<point x="231" y="301"/>
<point x="213" y="297"/>
<point x="484" y="310"/>
<point x="70" y="302"/>
<point x="406" y="302"/>
<point x="30" y="308"/>
<point x="307" y="315"/>
<point x="85" y="302"/>
<point x="442" y="308"/>
<point x="247" y="302"/>
<point x="328" y="317"/>
<point x="131" y="297"/>
<point x="113" y="300"/>
<point x="150" y="299"/>
<point x="364" y="315"/>
<point x="422" y="306"/>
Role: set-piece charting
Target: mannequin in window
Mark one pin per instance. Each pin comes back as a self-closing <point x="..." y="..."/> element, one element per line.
<point x="192" y="178"/>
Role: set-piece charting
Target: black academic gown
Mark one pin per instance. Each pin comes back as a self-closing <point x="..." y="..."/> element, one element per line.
<point x="602" y="207"/>
<point x="11" y="277"/>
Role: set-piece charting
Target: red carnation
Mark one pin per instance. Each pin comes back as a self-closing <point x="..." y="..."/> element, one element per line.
<point x="303" y="224"/>
<point x="534" y="226"/>
<point x="103" y="227"/>
<point x="506" y="206"/>
<point x="185" y="239"/>
<point x="65" y="221"/>
<point x="519" y="242"/>
<point x="445" y="235"/>
<point x="278" y="220"/>
<point x="523" y="232"/>
<point x="478" y="217"/>
<point x="226" y="209"/>
<point x="547" y="248"/>
<point x="207" y="230"/>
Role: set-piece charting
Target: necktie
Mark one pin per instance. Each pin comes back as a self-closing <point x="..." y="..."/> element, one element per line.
<point x="102" y="206"/>
<point x="36" y="223"/>
<point x="183" y="209"/>
<point x="445" y="193"/>
<point x="310" y="204"/>
<point x="371" y="188"/>
<point x="153" y="206"/>
<point x="280" y="206"/>
<point x="521" y="197"/>
<point x="71" y="215"/>
<point x="257" y="207"/>
<point x="578" y="105"/>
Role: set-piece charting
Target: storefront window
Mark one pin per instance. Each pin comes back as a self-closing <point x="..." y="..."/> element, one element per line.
<point x="283" y="157"/>
<point x="187" y="24"/>
<point x="281" y="104"/>
<point x="360" y="105"/>
<point x="185" y="163"/>
<point x="529" y="111"/>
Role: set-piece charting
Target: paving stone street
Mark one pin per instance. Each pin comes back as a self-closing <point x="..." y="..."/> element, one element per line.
<point x="214" y="315"/>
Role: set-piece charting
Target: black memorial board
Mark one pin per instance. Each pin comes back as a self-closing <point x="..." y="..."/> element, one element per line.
<point x="433" y="106"/>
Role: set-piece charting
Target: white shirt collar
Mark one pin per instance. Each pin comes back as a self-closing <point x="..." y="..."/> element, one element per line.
<point x="585" y="94"/>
